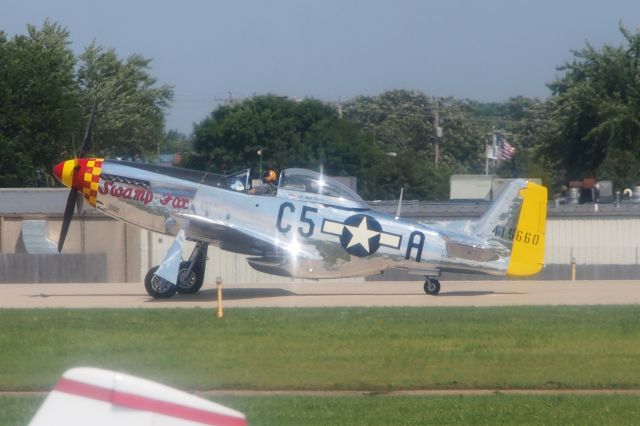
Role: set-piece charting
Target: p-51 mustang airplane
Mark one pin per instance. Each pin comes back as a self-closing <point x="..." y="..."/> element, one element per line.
<point x="311" y="227"/>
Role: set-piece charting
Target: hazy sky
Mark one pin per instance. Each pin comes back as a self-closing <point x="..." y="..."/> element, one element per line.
<point x="486" y="50"/>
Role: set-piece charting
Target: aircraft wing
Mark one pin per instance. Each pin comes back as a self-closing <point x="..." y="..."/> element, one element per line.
<point x="234" y="238"/>
<point x="93" y="396"/>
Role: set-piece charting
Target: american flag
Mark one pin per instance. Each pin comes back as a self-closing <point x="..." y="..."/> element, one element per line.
<point x="506" y="150"/>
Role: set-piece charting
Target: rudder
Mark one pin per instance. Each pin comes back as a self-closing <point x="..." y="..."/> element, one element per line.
<point x="527" y="254"/>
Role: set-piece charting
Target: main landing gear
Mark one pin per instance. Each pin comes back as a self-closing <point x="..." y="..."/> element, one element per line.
<point x="432" y="286"/>
<point x="190" y="276"/>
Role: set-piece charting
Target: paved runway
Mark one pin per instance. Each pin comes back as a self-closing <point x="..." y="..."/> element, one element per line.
<point x="322" y="294"/>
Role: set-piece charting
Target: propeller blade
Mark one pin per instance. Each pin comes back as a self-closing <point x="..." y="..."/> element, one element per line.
<point x="86" y="143"/>
<point x="80" y="204"/>
<point x="72" y="200"/>
<point x="68" y="214"/>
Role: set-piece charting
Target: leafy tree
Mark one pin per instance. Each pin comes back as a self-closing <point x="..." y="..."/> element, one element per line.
<point x="39" y="103"/>
<point x="399" y="119"/>
<point x="174" y="141"/>
<point x="596" y="105"/>
<point x="289" y="133"/>
<point x="463" y="144"/>
<point x="621" y="166"/>
<point x="129" y="106"/>
<point x="526" y="122"/>
<point x="402" y="124"/>
<point x="45" y="103"/>
<point x="414" y="173"/>
<point x="17" y="169"/>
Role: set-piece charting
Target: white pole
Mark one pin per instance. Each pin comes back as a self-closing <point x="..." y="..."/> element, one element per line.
<point x="486" y="159"/>
<point x="496" y="154"/>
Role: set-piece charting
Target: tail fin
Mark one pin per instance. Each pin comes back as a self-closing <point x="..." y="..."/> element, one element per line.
<point x="527" y="254"/>
<point x="516" y="222"/>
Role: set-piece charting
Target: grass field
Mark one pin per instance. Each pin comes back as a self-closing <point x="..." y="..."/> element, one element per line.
<point x="370" y="349"/>
<point x="384" y="410"/>
<point x="374" y="349"/>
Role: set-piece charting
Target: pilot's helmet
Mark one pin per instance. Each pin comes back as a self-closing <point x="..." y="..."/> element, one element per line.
<point x="237" y="185"/>
<point x="269" y="176"/>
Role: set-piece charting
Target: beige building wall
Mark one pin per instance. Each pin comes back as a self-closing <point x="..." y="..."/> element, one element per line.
<point x="599" y="241"/>
<point x="120" y="242"/>
<point x="104" y="235"/>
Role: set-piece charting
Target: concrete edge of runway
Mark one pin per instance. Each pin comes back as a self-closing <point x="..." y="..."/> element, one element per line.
<point x="402" y="393"/>
<point x="327" y="294"/>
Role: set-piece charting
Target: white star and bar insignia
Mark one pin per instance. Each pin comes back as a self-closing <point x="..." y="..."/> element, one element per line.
<point x="361" y="235"/>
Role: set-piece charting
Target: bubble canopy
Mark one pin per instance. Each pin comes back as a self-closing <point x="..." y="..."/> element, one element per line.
<point x="309" y="185"/>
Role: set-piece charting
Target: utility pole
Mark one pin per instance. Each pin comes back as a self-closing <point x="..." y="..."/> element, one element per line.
<point x="228" y="100"/>
<point x="438" y="133"/>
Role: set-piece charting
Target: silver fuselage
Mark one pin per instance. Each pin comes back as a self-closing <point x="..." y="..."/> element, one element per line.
<point x="288" y="233"/>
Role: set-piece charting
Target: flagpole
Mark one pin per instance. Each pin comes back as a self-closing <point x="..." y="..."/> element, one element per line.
<point x="496" y="149"/>
<point x="496" y="153"/>
<point x="486" y="161"/>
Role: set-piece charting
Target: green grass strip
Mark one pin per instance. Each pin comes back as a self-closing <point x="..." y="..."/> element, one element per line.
<point x="342" y="348"/>
<point x="384" y="410"/>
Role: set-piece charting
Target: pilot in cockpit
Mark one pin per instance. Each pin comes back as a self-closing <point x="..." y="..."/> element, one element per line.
<point x="269" y="183"/>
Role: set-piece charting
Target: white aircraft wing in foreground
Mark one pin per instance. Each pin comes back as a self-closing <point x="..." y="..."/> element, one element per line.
<point x="96" y="397"/>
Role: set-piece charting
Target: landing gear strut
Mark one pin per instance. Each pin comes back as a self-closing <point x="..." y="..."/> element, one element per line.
<point x="189" y="280"/>
<point x="432" y="286"/>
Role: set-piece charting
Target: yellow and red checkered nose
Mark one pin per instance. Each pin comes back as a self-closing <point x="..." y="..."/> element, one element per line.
<point x="82" y="174"/>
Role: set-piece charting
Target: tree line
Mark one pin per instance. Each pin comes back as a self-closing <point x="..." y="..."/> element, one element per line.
<point x="589" y="126"/>
<point x="47" y="94"/>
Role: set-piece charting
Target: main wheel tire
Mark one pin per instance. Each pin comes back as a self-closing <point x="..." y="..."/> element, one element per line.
<point x="432" y="286"/>
<point x="192" y="283"/>
<point x="157" y="287"/>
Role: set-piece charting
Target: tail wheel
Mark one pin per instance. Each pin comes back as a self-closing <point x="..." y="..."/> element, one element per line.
<point x="157" y="287"/>
<point x="191" y="283"/>
<point x="432" y="286"/>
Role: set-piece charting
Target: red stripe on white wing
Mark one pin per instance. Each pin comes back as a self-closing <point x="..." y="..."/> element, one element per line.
<point x="138" y="402"/>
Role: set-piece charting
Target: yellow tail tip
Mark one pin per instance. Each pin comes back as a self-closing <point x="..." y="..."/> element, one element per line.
<point x="527" y="253"/>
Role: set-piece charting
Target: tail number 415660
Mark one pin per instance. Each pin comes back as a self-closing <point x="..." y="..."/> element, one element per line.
<point x="510" y="234"/>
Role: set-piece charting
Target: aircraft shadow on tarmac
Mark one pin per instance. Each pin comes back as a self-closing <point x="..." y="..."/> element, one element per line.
<point x="475" y="293"/>
<point x="230" y="294"/>
<point x="45" y="295"/>
<point x="443" y="294"/>
<point x="259" y="293"/>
